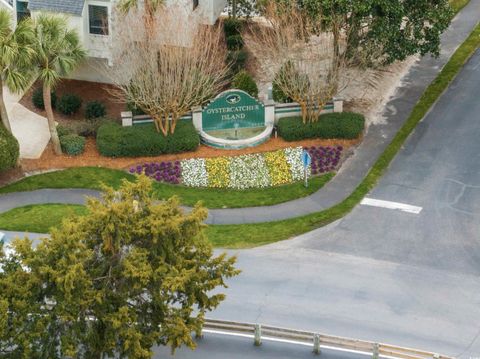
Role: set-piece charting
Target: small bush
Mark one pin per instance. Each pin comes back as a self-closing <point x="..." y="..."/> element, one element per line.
<point x="37" y="99"/>
<point x="9" y="150"/>
<point x="345" y="125"/>
<point x="235" y="42"/>
<point x="237" y="59"/>
<point x="232" y="26"/>
<point x="113" y="140"/>
<point x="64" y="130"/>
<point x="69" y="104"/>
<point x="244" y="81"/>
<point x="136" y="111"/>
<point x="72" y="145"/>
<point x="95" y="109"/>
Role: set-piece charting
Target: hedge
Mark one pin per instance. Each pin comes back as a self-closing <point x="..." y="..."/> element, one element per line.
<point x="72" y="145"/>
<point x="113" y="140"/>
<point x="9" y="149"/>
<point x="344" y="125"/>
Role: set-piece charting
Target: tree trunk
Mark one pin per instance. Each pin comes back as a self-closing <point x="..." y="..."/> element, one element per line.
<point x="47" y="101"/>
<point x="174" y="123"/>
<point x="234" y="9"/>
<point x="3" y="110"/>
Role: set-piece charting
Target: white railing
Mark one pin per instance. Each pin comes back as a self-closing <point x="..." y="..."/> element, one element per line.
<point x="316" y="341"/>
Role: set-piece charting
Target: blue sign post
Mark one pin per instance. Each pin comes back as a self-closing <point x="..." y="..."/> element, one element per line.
<point x="307" y="161"/>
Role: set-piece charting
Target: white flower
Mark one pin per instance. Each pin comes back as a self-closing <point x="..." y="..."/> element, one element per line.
<point x="249" y="171"/>
<point x="294" y="159"/>
<point x="194" y="172"/>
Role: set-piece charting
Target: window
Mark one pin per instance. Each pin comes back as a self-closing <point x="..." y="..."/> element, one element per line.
<point x="22" y="10"/>
<point x="195" y="4"/>
<point x="98" y="19"/>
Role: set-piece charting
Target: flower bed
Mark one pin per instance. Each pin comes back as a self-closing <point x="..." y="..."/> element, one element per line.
<point x="246" y="171"/>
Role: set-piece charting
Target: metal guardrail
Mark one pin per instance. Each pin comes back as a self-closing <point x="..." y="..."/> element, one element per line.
<point x="317" y="341"/>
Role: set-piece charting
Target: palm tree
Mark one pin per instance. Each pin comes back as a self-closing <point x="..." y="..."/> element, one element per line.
<point x="58" y="53"/>
<point x="16" y="54"/>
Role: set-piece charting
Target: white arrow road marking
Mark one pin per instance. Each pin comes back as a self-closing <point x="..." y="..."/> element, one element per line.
<point x="391" y="205"/>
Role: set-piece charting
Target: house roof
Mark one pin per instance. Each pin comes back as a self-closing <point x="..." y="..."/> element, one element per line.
<point x="73" y="7"/>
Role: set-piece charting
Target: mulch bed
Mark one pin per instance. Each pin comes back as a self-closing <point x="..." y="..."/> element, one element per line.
<point x="91" y="157"/>
<point x="87" y="91"/>
<point x="11" y="176"/>
<point x="90" y="91"/>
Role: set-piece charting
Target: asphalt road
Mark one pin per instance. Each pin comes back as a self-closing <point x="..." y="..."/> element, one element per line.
<point x="382" y="274"/>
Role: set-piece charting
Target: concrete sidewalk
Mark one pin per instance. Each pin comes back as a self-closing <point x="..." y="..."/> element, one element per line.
<point x="30" y="129"/>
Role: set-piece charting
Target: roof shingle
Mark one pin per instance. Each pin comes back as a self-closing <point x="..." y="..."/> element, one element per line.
<point x="73" y="7"/>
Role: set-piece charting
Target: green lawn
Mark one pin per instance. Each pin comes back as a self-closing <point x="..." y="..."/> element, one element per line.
<point x="458" y="5"/>
<point x="38" y="218"/>
<point x="92" y="177"/>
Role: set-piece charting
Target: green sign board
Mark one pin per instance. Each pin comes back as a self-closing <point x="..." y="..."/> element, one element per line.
<point x="233" y="109"/>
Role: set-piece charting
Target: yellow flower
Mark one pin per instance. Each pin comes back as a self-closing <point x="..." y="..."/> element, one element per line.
<point x="218" y="170"/>
<point x="278" y="167"/>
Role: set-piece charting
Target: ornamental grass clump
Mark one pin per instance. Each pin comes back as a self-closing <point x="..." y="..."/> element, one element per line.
<point x="168" y="172"/>
<point x="249" y="171"/>
<point x="278" y="168"/>
<point x="218" y="172"/>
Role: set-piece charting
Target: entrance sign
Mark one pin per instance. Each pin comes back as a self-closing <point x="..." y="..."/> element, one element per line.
<point x="233" y="109"/>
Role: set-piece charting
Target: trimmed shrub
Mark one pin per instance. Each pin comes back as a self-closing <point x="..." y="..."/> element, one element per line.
<point x="234" y="42"/>
<point x="244" y="81"/>
<point x="69" y="104"/>
<point x="37" y="99"/>
<point x="237" y="59"/>
<point x="95" y="109"/>
<point x="113" y="140"/>
<point x="232" y="26"/>
<point x="64" y="130"/>
<point x="344" y="125"/>
<point x="72" y="145"/>
<point x="9" y="150"/>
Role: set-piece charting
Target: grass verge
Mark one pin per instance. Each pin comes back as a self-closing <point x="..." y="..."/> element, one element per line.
<point x="458" y="5"/>
<point x="38" y="218"/>
<point x="92" y="177"/>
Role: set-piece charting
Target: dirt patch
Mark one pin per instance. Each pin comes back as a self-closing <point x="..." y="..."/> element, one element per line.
<point x="368" y="91"/>
<point x="87" y="91"/>
<point x="91" y="157"/>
